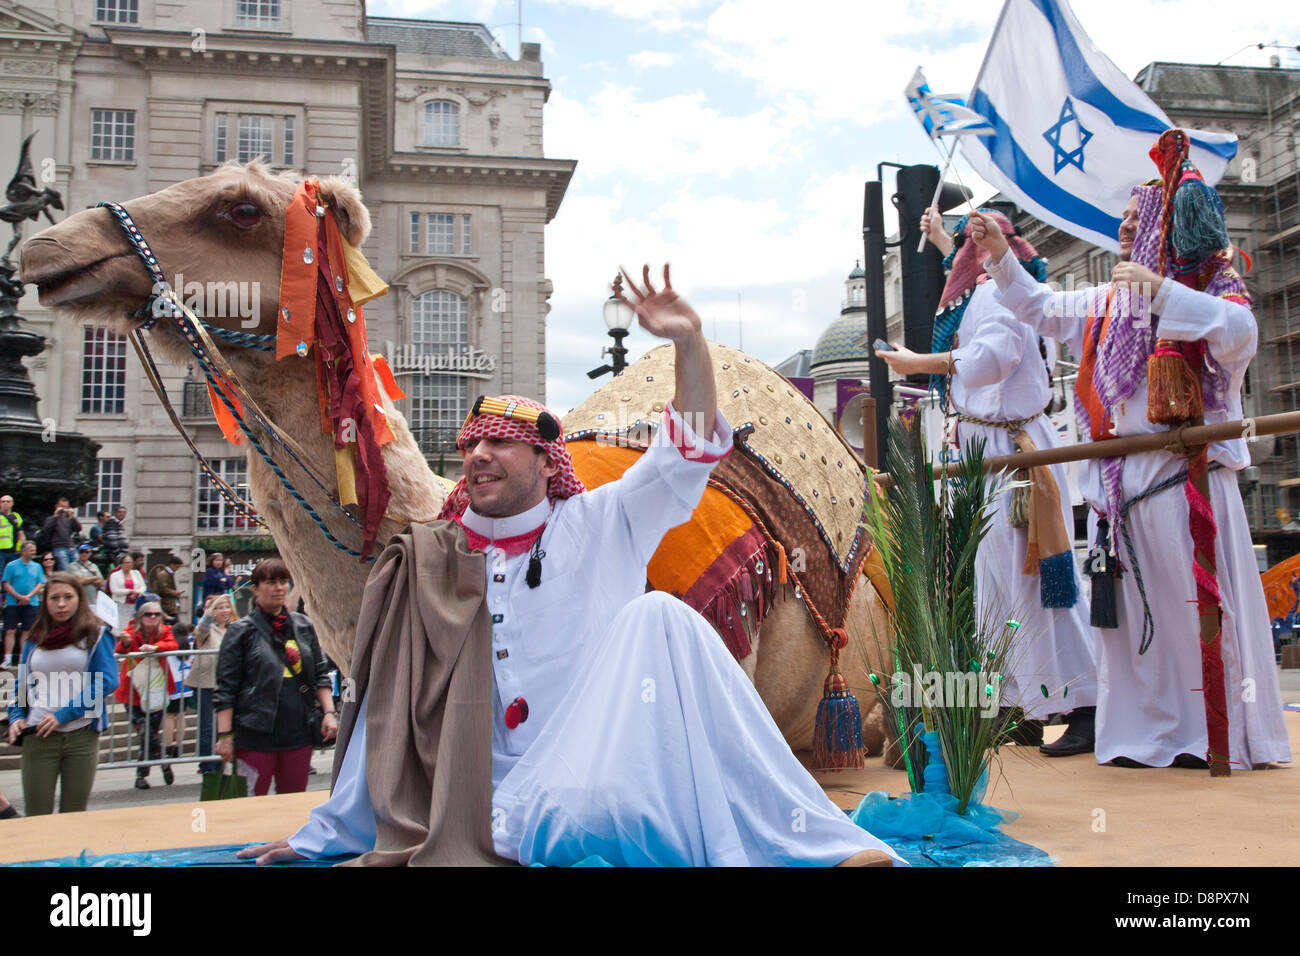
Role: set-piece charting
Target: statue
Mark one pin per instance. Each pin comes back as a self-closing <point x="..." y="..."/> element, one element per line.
<point x="25" y="202"/>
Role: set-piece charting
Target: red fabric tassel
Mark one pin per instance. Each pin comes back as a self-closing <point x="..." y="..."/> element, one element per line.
<point x="1208" y="603"/>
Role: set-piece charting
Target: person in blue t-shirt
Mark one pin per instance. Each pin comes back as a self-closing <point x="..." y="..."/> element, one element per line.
<point x="23" y="581"/>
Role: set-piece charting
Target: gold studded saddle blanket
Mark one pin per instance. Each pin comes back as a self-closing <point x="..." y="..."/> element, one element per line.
<point x="786" y="507"/>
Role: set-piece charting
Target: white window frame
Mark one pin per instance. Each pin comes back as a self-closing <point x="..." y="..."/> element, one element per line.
<point x="221" y="148"/>
<point x="455" y="230"/>
<point x="288" y="140"/>
<point x="440" y="123"/>
<point x="108" y="484"/>
<point x="103" y="372"/>
<point x="438" y="403"/>
<point x="117" y="11"/>
<point x="213" y="514"/>
<point x="112" y="136"/>
<point x="263" y="129"/>
<point x="259" y="14"/>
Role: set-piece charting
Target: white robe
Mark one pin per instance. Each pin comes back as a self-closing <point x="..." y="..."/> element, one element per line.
<point x="999" y="375"/>
<point x="1149" y="707"/>
<point x="645" y="742"/>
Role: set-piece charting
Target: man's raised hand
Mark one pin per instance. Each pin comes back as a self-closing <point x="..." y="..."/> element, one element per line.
<point x="987" y="234"/>
<point x="662" y="312"/>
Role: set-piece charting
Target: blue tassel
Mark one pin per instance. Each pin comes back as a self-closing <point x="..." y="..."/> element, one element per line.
<point x="1199" y="230"/>
<point x="1057" y="587"/>
<point x="837" y="735"/>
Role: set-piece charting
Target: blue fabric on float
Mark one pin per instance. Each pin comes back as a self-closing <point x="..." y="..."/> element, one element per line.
<point x="925" y="830"/>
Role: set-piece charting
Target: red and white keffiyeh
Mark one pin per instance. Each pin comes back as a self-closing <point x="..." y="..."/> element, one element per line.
<point x="564" y="483"/>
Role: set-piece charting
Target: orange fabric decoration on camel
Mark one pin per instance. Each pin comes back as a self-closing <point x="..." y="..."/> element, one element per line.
<point x="324" y="282"/>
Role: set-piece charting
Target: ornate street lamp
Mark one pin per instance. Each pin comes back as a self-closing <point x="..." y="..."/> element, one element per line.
<point x="618" y="319"/>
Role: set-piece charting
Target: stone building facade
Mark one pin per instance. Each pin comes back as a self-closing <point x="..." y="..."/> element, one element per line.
<point x="439" y="127"/>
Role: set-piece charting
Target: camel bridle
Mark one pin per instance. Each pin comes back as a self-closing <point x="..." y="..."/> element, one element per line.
<point x="224" y="384"/>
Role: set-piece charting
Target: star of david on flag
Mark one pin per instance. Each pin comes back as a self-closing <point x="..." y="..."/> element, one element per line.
<point x="1070" y="132"/>
<point x="1058" y="134"/>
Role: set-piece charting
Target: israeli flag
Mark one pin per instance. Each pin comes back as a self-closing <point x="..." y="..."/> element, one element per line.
<point x="943" y="115"/>
<point x="1071" y="132"/>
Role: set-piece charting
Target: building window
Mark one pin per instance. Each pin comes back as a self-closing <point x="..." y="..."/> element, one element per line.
<point x="117" y="11"/>
<point x="108" y="478"/>
<point x="255" y="136"/>
<point x="221" y="137"/>
<point x="112" y="135"/>
<point x="255" y="133"/>
<point x="103" y="372"/>
<point x="257" y="13"/>
<point x="439" y="403"/>
<point x="441" y="123"/>
<point x="288" y="141"/>
<point x="439" y="234"/>
<point x="212" y="511"/>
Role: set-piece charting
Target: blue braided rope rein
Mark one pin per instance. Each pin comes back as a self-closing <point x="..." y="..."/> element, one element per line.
<point x="163" y="293"/>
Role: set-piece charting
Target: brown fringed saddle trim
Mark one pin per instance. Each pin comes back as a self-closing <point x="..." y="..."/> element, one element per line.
<point x="777" y="551"/>
<point x="735" y="594"/>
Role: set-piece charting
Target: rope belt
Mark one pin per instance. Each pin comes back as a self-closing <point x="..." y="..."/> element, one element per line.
<point x="1012" y="425"/>
<point x="1174" y="481"/>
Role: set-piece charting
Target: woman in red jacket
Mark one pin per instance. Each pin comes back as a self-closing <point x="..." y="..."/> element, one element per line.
<point x="146" y="632"/>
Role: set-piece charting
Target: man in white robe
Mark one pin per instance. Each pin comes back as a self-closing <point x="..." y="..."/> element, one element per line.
<point x="997" y="375"/>
<point x="621" y="725"/>
<point x="1151" y="710"/>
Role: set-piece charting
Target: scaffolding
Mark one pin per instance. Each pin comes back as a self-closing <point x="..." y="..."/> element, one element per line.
<point x="1273" y="384"/>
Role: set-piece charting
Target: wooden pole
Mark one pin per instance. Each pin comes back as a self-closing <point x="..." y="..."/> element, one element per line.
<point x="1179" y="441"/>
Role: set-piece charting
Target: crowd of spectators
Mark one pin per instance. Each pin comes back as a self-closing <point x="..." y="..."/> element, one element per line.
<point x="264" y="699"/>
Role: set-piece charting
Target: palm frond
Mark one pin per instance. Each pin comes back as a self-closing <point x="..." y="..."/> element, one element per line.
<point x="928" y="543"/>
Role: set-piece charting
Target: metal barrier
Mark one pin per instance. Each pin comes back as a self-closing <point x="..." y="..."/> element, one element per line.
<point x="111" y="742"/>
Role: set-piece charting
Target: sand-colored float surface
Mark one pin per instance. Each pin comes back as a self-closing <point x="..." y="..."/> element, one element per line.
<point x="1080" y="813"/>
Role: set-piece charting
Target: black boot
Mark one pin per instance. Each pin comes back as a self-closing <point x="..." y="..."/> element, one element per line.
<point x="169" y="777"/>
<point x="1080" y="735"/>
<point x="1026" y="732"/>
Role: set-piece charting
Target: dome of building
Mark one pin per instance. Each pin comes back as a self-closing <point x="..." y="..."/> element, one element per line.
<point x="839" y="342"/>
<point x="858" y="272"/>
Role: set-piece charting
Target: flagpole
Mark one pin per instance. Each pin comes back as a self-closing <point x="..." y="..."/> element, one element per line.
<point x="938" y="186"/>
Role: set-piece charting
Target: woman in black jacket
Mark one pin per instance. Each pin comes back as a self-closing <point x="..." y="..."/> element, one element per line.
<point x="269" y="679"/>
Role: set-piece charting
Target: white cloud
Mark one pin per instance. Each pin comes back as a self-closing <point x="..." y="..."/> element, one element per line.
<point x="651" y="58"/>
<point x="617" y="131"/>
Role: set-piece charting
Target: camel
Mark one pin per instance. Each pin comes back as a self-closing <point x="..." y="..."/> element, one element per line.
<point x="229" y="225"/>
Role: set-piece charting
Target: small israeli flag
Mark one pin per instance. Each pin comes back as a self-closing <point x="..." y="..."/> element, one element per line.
<point x="1071" y="132"/>
<point x="945" y="115"/>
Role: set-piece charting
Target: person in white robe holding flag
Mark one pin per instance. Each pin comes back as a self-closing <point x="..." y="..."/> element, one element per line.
<point x="993" y="370"/>
<point x="1174" y="295"/>
<point x="618" y="725"/>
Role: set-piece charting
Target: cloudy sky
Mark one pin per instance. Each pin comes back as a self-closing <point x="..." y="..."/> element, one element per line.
<point x="732" y="138"/>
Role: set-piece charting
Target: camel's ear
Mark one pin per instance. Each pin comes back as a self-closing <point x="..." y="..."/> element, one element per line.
<point x="351" y="213"/>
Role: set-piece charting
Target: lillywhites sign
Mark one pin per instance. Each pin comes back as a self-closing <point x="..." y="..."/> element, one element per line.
<point x="463" y="360"/>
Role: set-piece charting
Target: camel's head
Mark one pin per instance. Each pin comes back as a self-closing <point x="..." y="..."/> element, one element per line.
<point x="218" y="239"/>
